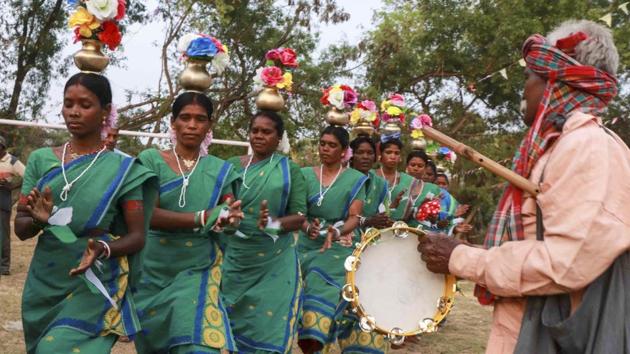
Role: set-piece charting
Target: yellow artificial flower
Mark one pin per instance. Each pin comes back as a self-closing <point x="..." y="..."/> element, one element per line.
<point x="384" y="105"/>
<point x="355" y="116"/>
<point x="287" y="82"/>
<point x="416" y="134"/>
<point x="85" y="21"/>
<point x="393" y="111"/>
<point x="371" y="117"/>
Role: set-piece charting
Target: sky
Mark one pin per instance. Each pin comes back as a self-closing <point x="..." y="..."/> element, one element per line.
<point x="142" y="53"/>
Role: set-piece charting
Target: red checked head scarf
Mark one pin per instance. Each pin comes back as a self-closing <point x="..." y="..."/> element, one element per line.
<point x="571" y="87"/>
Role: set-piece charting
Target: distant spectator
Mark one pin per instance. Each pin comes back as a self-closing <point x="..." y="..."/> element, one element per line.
<point x="11" y="173"/>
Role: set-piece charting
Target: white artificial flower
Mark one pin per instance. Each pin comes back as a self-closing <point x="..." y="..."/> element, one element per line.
<point x="184" y="42"/>
<point x="103" y="10"/>
<point x="335" y="98"/>
<point x="258" y="78"/>
<point x="220" y="61"/>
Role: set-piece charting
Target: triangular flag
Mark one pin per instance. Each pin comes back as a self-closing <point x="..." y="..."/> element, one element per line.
<point x="522" y="63"/>
<point x="607" y="19"/>
<point x="503" y="73"/>
<point x="624" y="7"/>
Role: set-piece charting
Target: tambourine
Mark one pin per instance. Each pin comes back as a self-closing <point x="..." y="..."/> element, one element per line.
<point x="389" y="287"/>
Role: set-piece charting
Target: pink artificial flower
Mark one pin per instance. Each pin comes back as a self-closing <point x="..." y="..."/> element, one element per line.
<point x="397" y="99"/>
<point x="288" y="57"/>
<point x="274" y="55"/>
<point x="421" y="121"/>
<point x="347" y="155"/>
<point x="271" y="75"/>
<point x="349" y="98"/>
<point x="368" y="105"/>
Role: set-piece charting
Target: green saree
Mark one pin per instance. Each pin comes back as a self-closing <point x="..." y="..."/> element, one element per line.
<point x="404" y="184"/>
<point x="63" y="314"/>
<point x="261" y="277"/>
<point x="324" y="273"/>
<point x="178" y="296"/>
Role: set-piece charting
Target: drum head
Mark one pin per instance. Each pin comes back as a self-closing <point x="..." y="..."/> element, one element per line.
<point x="395" y="286"/>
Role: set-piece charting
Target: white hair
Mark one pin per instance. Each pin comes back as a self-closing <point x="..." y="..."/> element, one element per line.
<point x="598" y="50"/>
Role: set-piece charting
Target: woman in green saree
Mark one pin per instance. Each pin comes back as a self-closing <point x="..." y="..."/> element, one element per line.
<point x="178" y="296"/>
<point x="261" y="278"/>
<point x="399" y="183"/>
<point x="335" y="200"/>
<point x="352" y="340"/>
<point x="90" y="205"/>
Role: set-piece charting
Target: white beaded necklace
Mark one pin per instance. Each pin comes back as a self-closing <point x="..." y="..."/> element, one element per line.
<point x="68" y="185"/>
<point x="390" y="190"/>
<point x="321" y="183"/>
<point x="247" y="167"/>
<point x="185" y="178"/>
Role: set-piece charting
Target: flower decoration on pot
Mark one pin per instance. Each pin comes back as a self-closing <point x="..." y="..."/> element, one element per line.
<point x="198" y="50"/>
<point x="274" y="76"/>
<point x="364" y="118"/>
<point x="393" y="113"/>
<point x="418" y="142"/>
<point x="95" y="22"/>
<point x="339" y="98"/>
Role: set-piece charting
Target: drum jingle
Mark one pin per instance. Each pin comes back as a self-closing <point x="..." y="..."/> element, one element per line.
<point x="390" y="289"/>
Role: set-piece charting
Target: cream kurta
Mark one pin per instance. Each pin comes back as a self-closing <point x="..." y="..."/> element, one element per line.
<point x="584" y="200"/>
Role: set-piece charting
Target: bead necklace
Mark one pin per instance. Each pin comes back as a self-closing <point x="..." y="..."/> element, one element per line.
<point x="247" y="168"/>
<point x="68" y="185"/>
<point x="321" y="183"/>
<point x="185" y="178"/>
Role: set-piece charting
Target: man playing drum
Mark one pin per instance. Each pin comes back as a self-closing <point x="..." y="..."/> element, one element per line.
<point x="564" y="276"/>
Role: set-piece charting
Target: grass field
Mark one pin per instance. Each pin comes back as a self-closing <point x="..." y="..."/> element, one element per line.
<point x="465" y="332"/>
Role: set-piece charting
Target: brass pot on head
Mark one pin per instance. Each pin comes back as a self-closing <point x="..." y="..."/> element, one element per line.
<point x="270" y="99"/>
<point x="419" y="144"/>
<point x="195" y="76"/>
<point x="391" y="128"/>
<point x="337" y="117"/>
<point x="90" y="57"/>
<point x="363" y="128"/>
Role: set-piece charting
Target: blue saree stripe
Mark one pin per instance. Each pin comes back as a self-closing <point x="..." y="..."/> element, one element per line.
<point x="201" y="305"/>
<point x="325" y="276"/>
<point x="170" y="185"/>
<point x="109" y="194"/>
<point x="286" y="186"/>
<point x="294" y="298"/>
<point x="313" y="199"/>
<point x="218" y="186"/>
<point x="57" y="170"/>
<point x="77" y="324"/>
<point x="381" y="198"/>
<point x="257" y="345"/>
<point x="353" y="193"/>
<point x="319" y="309"/>
<point x="128" y="323"/>
<point x="226" y="324"/>
<point x="319" y="299"/>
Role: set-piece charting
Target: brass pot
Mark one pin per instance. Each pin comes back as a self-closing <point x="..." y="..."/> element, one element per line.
<point x="90" y="57"/>
<point x="270" y="99"/>
<point x="363" y="128"/>
<point x="391" y="128"/>
<point x="195" y="76"/>
<point x="419" y="144"/>
<point x="337" y="117"/>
